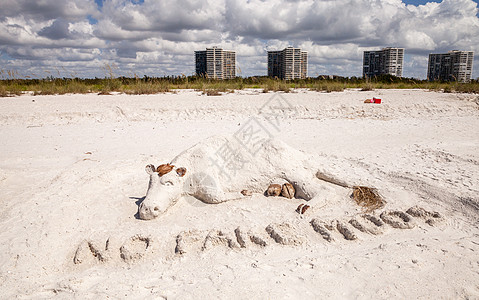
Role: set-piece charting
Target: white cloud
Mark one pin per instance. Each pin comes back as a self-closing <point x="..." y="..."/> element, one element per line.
<point x="48" y="9"/>
<point x="168" y="15"/>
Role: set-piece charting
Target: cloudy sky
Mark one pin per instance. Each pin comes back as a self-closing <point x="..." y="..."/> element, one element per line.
<point x="78" y="38"/>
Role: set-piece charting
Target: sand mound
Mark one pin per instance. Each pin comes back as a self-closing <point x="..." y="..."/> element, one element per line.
<point x="72" y="177"/>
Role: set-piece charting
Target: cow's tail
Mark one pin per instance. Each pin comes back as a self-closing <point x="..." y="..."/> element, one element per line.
<point x="331" y="179"/>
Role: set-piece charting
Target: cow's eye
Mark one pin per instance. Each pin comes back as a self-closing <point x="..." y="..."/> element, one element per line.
<point x="168" y="183"/>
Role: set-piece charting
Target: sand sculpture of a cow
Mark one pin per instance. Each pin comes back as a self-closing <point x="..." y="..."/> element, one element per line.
<point x="219" y="168"/>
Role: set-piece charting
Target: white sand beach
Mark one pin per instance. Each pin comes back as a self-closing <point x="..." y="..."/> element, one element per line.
<point x="72" y="173"/>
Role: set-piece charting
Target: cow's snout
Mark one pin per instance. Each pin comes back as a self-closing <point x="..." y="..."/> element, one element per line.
<point x="147" y="212"/>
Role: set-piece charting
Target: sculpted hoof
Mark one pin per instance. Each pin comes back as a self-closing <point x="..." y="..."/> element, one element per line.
<point x="273" y="190"/>
<point x="302" y="208"/>
<point x="246" y="193"/>
<point x="288" y="190"/>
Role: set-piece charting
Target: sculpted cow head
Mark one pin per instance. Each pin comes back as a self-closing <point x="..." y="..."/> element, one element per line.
<point x="164" y="189"/>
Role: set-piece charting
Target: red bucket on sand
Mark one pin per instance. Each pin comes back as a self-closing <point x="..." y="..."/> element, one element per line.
<point x="376" y="100"/>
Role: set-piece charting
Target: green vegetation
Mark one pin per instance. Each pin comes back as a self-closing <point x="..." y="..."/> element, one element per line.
<point x="12" y="86"/>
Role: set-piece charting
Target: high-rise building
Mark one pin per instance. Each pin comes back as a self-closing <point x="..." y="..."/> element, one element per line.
<point x="289" y="63"/>
<point x="385" y="61"/>
<point x="452" y="66"/>
<point x="216" y="63"/>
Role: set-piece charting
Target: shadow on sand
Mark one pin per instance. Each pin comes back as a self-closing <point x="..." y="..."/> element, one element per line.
<point x="138" y="202"/>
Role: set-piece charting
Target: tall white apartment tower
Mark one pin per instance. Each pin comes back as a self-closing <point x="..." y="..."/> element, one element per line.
<point x="452" y="66"/>
<point x="289" y="63"/>
<point x="385" y="61"/>
<point x="216" y="63"/>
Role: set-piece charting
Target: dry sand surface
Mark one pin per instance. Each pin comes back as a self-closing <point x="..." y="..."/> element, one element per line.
<point x="72" y="173"/>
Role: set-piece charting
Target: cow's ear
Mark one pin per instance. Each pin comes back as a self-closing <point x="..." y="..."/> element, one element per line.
<point x="150" y="169"/>
<point x="181" y="171"/>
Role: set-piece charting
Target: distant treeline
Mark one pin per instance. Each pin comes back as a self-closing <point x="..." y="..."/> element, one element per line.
<point x="153" y="85"/>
